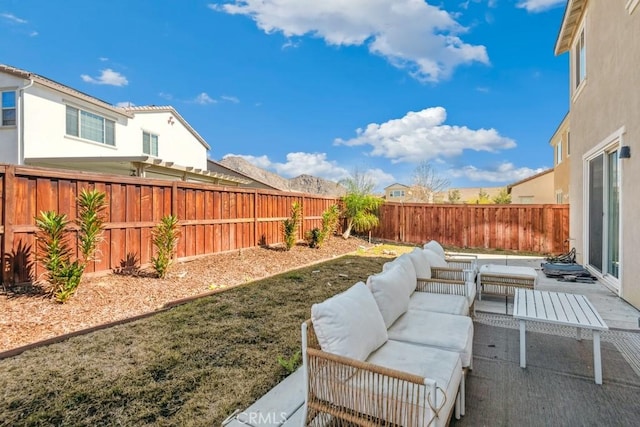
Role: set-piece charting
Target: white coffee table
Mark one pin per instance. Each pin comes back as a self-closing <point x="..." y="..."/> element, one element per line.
<point x="562" y="309"/>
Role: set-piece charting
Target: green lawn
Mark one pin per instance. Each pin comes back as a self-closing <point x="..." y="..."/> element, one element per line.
<point x="192" y="365"/>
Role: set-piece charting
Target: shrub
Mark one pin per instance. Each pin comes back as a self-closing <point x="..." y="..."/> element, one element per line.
<point x="290" y="225"/>
<point x="165" y="239"/>
<point x="63" y="274"/>
<point x="317" y="236"/>
<point x="314" y="238"/>
<point x="290" y="364"/>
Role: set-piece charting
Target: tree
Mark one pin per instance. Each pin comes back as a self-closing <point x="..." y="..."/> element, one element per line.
<point x="502" y="198"/>
<point x="454" y="196"/>
<point x="427" y="182"/>
<point x="360" y="205"/>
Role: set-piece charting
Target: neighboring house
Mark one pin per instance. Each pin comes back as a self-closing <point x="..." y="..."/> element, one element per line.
<point x="46" y="123"/>
<point x="561" y="144"/>
<point x="602" y="40"/>
<point x="397" y="192"/>
<point x="537" y="189"/>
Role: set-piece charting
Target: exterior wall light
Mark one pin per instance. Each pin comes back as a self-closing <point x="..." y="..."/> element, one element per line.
<point x="625" y="152"/>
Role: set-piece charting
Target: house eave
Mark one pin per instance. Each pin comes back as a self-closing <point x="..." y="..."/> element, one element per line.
<point x="570" y="22"/>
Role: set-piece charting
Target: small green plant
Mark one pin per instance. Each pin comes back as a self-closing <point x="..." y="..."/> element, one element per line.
<point x="165" y="239"/>
<point x="63" y="274"/>
<point x="290" y="364"/>
<point x="91" y="206"/>
<point x="290" y="226"/>
<point x="330" y="218"/>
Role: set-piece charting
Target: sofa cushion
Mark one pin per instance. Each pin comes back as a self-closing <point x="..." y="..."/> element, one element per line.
<point x="435" y="247"/>
<point x="349" y="324"/>
<point x="435" y="260"/>
<point x="445" y="331"/>
<point x="391" y="291"/>
<point x="420" y="263"/>
<point x="439" y="303"/>
<point x="404" y="262"/>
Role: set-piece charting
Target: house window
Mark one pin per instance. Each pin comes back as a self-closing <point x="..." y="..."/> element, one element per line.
<point x="90" y="126"/>
<point x="397" y="193"/>
<point x="150" y="144"/>
<point x="568" y="144"/>
<point x="525" y="200"/>
<point x="559" y="152"/>
<point x="559" y="197"/>
<point x="9" y="108"/>
<point x="580" y="60"/>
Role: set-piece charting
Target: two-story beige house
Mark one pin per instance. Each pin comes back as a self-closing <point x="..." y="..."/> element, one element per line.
<point x="601" y="39"/>
<point x="561" y="144"/>
<point x="397" y="192"/>
<point x="536" y="189"/>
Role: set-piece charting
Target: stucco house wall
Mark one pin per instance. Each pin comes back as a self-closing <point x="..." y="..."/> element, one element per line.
<point x="537" y="189"/>
<point x="607" y="110"/>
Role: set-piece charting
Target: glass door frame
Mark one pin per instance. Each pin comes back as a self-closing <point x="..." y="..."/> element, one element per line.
<point x="610" y="144"/>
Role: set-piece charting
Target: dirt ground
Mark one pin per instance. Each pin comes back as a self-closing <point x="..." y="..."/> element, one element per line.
<point x="28" y="315"/>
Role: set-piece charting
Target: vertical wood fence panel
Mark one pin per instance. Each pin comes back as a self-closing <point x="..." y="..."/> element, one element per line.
<point x="532" y="228"/>
<point x="217" y="219"/>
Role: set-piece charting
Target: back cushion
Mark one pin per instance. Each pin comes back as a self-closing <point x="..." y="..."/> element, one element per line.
<point x="404" y="262"/>
<point x="349" y="324"/>
<point x="420" y="263"/>
<point x="435" y="247"/>
<point x="434" y="259"/>
<point x="390" y="291"/>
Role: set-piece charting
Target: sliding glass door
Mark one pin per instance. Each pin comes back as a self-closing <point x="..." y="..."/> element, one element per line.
<point x="604" y="213"/>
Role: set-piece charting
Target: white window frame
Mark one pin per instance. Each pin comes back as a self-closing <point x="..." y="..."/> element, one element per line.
<point x="151" y="134"/>
<point x="79" y="126"/>
<point x="3" y="108"/>
<point x="397" y="193"/>
<point x="559" y="197"/>
<point x="576" y="74"/>
<point x="559" y="152"/>
<point x="631" y="5"/>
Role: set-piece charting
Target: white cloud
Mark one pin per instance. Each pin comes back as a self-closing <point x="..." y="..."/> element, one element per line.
<point x="537" y="6"/>
<point x="261" y="161"/>
<point x="107" y="77"/>
<point x="125" y="104"/>
<point x="11" y="17"/>
<point x="483" y="89"/>
<point x="410" y="34"/>
<point x="422" y="136"/>
<point x="204" y="99"/>
<point x="231" y="99"/>
<point x="166" y="96"/>
<point x="33" y="34"/>
<point x="103" y="59"/>
<point x="504" y="173"/>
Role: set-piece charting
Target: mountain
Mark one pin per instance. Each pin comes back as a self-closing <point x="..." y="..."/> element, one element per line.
<point x="315" y="185"/>
<point x="303" y="183"/>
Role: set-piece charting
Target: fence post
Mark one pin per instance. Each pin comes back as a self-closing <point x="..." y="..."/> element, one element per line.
<point x="8" y="213"/>
<point x="255" y="218"/>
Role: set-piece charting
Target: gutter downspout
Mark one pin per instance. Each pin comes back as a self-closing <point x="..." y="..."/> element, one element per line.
<point x="21" y="121"/>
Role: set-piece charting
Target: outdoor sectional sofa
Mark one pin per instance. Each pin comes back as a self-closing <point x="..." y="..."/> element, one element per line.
<point x="384" y="354"/>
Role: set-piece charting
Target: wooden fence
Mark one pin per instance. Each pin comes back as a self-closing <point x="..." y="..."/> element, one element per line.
<point x="533" y="228"/>
<point x="212" y="218"/>
<point x="218" y="219"/>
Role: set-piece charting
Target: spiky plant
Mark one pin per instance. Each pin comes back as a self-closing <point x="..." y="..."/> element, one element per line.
<point x="91" y="206"/>
<point x="165" y="239"/>
<point x="290" y="225"/>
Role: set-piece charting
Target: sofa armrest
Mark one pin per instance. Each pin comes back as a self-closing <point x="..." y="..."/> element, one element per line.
<point x="461" y="263"/>
<point x="448" y="273"/>
<point x="443" y="286"/>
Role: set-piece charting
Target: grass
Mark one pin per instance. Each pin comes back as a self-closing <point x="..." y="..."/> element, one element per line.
<point x="193" y="365"/>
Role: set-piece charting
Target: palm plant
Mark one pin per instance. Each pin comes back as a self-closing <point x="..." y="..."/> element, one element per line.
<point x="91" y="206"/>
<point x="165" y="239"/>
<point x="360" y="205"/>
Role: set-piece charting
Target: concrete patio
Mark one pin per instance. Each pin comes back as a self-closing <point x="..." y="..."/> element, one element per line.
<point x="557" y="384"/>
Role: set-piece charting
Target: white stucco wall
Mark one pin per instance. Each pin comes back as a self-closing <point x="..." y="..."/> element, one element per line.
<point x="608" y="102"/>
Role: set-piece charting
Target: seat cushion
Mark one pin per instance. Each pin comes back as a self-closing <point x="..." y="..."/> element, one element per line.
<point x="420" y="263"/>
<point x="349" y="324"/>
<point x="439" y="303"/>
<point x="435" y="247"/>
<point x="445" y="331"/>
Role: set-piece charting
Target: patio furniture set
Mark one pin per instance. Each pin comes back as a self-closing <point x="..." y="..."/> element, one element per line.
<point x="396" y="350"/>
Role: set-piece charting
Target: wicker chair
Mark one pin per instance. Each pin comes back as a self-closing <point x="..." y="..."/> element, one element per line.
<point x="461" y="284"/>
<point x="348" y="392"/>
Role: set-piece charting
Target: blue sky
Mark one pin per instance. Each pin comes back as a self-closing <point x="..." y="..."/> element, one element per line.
<point x="321" y="87"/>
